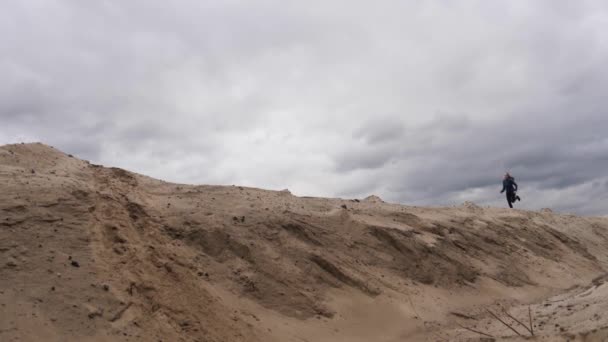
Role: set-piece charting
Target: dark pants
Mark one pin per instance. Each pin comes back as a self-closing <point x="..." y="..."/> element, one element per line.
<point x="510" y="198"/>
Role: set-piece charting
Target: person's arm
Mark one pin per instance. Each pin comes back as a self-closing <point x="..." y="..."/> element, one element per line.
<point x="515" y="185"/>
<point x="503" y="187"/>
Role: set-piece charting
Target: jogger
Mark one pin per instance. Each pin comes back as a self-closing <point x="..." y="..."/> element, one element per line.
<point x="509" y="185"/>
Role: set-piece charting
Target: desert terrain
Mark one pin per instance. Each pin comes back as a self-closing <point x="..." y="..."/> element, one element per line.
<point x="94" y="253"/>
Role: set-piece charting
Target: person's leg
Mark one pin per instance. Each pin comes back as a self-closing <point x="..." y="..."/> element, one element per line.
<point x="509" y="199"/>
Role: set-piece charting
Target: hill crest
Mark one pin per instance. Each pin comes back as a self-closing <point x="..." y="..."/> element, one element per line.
<point x="99" y="254"/>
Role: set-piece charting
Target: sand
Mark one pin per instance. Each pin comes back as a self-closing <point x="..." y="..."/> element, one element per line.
<point x="89" y="253"/>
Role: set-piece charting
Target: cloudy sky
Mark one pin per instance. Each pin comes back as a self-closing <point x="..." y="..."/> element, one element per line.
<point x="419" y="102"/>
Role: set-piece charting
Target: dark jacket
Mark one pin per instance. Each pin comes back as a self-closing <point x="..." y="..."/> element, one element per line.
<point x="509" y="185"/>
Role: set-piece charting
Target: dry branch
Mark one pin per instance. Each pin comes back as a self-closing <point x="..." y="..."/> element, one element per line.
<point x="475" y="331"/>
<point x="503" y="322"/>
<point x="530" y="316"/>
<point x="516" y="320"/>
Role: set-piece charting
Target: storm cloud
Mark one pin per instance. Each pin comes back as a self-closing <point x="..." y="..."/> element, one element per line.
<point x="423" y="103"/>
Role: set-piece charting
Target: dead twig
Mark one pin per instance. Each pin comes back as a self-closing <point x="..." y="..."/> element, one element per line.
<point x="503" y="322"/>
<point x="475" y="331"/>
<point x="461" y="315"/>
<point x="120" y="312"/>
<point x="530" y="316"/>
<point x="516" y="320"/>
<point x="412" y="305"/>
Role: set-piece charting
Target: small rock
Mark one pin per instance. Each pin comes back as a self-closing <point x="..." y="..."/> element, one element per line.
<point x="11" y="263"/>
<point x="53" y="288"/>
<point x="373" y="199"/>
<point x="75" y="263"/>
<point x="106" y="287"/>
<point x="32" y="171"/>
<point x="94" y="312"/>
<point x="344" y="206"/>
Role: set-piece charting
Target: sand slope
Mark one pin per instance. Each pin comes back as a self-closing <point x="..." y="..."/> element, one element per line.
<point x="89" y="253"/>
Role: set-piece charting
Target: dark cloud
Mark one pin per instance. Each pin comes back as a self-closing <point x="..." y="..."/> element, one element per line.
<point x="364" y="157"/>
<point x="424" y="103"/>
<point x="380" y="130"/>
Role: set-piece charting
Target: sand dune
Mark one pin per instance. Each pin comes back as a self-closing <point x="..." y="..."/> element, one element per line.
<point x="89" y="253"/>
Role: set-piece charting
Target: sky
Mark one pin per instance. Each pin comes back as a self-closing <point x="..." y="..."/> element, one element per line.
<point x="419" y="102"/>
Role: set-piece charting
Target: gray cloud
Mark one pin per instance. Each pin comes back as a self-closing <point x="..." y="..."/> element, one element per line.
<point x="380" y="130"/>
<point x="422" y="103"/>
